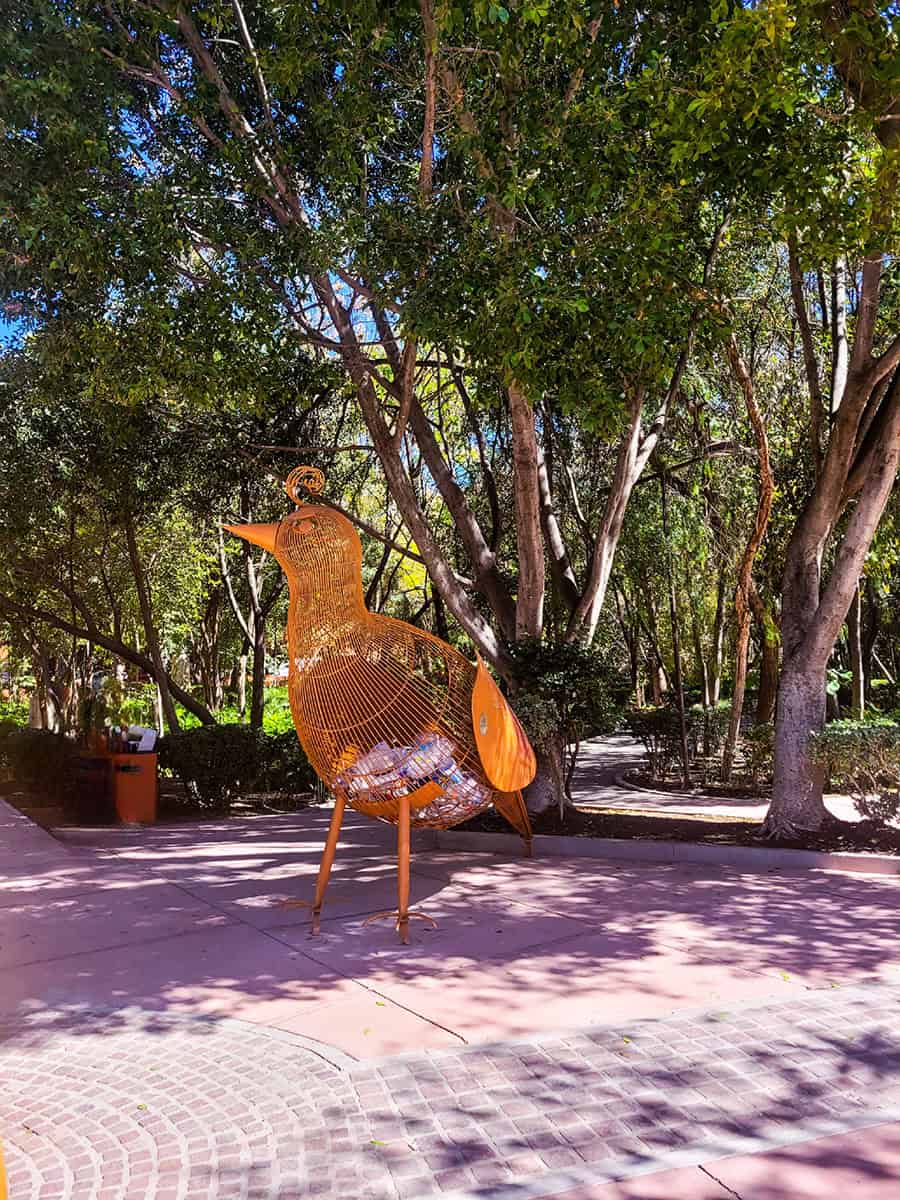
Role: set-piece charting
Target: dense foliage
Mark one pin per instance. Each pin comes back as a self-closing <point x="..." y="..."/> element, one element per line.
<point x="554" y="292"/>
<point x="218" y="763"/>
<point x="862" y="758"/>
<point x="38" y="759"/>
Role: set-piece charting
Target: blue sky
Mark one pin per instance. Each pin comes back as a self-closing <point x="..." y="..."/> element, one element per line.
<point x="10" y="331"/>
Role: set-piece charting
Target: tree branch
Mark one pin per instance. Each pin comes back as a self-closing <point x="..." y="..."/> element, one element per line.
<point x="809" y="354"/>
<point x="112" y="644"/>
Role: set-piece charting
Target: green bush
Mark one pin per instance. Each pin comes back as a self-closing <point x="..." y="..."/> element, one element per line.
<point x="863" y="759"/>
<point x="39" y="759"/>
<point x="565" y="690"/>
<point x="707" y="728"/>
<point x="885" y="696"/>
<point x="217" y="763"/>
<point x="759" y="751"/>
<point x="277" y="717"/>
<point x="659" y="731"/>
<point x="13" y="712"/>
<point x="284" y="767"/>
<point x="214" y="762"/>
<point x="138" y="705"/>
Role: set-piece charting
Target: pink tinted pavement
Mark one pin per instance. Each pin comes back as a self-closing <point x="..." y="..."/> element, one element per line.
<point x="864" y="1165"/>
<point x="708" y="1006"/>
<point x="213" y="918"/>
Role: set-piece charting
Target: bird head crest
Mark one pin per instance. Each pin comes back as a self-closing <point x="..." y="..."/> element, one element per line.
<point x="303" y="482"/>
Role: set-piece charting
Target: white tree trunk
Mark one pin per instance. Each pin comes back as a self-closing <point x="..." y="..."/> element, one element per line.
<point x="797" y="802"/>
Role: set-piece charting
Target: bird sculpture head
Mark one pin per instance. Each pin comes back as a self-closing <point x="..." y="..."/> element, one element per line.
<point x="317" y="547"/>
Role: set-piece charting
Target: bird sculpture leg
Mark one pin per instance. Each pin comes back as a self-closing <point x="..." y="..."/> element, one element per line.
<point x="526" y="826"/>
<point x="403" y="870"/>
<point x="511" y="805"/>
<point x="405" y="804"/>
<point x="334" y="830"/>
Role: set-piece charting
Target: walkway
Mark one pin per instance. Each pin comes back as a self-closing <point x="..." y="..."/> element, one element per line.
<point x="169" y="1029"/>
<point x="602" y="762"/>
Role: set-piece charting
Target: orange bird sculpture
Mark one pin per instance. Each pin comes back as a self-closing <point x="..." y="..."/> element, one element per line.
<point x="395" y="722"/>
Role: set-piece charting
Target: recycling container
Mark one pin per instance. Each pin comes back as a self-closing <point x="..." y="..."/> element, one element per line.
<point x="134" y="788"/>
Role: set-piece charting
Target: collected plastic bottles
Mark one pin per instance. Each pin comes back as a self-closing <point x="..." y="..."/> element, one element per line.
<point x="391" y="771"/>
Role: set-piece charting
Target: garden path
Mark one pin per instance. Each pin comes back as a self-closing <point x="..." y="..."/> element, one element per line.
<point x="598" y="783"/>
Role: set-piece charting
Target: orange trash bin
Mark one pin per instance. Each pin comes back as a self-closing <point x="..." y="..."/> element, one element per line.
<point x="134" y="788"/>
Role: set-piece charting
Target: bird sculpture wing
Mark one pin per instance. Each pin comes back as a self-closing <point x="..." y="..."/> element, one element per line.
<point x="505" y="752"/>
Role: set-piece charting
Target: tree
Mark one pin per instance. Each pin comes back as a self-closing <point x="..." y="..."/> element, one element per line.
<point x="310" y="188"/>
<point x="505" y="223"/>
<point x="80" y="513"/>
<point x="857" y="467"/>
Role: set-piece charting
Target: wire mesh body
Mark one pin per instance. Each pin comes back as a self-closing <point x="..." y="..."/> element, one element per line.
<point x="381" y="708"/>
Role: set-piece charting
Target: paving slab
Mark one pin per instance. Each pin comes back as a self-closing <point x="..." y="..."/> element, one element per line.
<point x="803" y="924"/>
<point x="688" y="1183"/>
<point x="519" y="942"/>
<point x="864" y="1165"/>
<point x="55" y="926"/>
<point x="135" y="1104"/>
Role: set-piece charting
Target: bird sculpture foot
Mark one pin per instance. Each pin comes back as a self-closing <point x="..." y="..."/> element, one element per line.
<point x="402" y="920"/>
<point x="305" y="903"/>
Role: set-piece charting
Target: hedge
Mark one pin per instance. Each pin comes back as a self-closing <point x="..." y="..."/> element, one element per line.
<point x="863" y="759"/>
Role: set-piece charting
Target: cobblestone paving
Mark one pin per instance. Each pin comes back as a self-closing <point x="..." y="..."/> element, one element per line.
<point x="137" y="1105"/>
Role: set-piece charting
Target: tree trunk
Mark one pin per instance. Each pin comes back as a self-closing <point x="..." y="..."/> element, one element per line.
<point x="150" y="632"/>
<point x="540" y="795"/>
<point x="242" y="680"/>
<point x="676" y="640"/>
<point x="741" y="643"/>
<point x="651" y="629"/>
<point x="41" y="671"/>
<point x="529" y="538"/>
<point x="770" y="656"/>
<point x="855" y="646"/>
<point x="158" y="709"/>
<point x="797" y="803"/>
<point x="441" y="627"/>
<point x="207" y="651"/>
<point x="548" y="788"/>
<point x="768" y="676"/>
<point x="811" y="621"/>
<point x="258" y="688"/>
<point x="871" y="629"/>
<point x="718" y="641"/>
<point x="700" y="657"/>
<point x="745" y="572"/>
<point x="631" y="635"/>
<point x="630" y="461"/>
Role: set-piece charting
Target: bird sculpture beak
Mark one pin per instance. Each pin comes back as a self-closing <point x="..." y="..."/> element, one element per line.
<point x="260" y="535"/>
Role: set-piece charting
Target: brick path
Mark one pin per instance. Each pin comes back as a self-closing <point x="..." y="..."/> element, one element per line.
<point x="143" y="1105"/>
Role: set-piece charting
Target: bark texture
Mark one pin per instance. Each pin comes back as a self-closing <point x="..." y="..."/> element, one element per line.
<point x="745" y="570"/>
